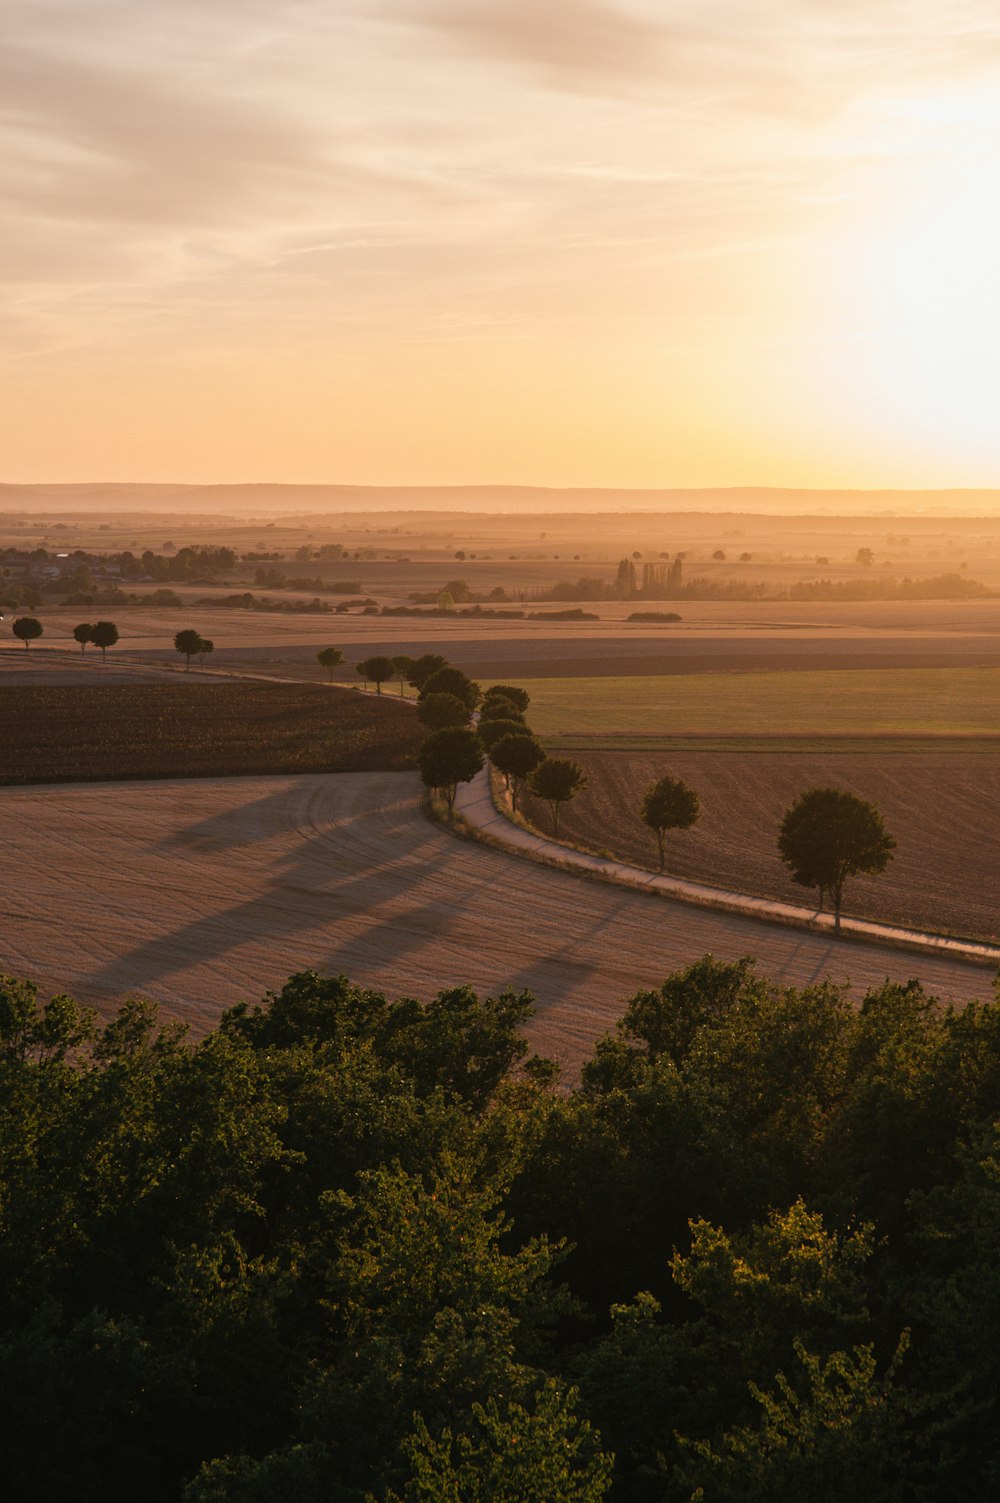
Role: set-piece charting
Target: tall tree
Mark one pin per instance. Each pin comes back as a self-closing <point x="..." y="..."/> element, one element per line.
<point x="555" y="781"/>
<point x="27" y="628"/>
<point x="187" y="643"/>
<point x="437" y="711"/>
<point x="331" y="658"/>
<point x="402" y="667"/>
<point x="516" y="757"/>
<point x="83" y="633"/>
<point x="669" y="805"/>
<point x="520" y="698"/>
<point x="376" y="670"/>
<point x="424" y="667"/>
<point x="449" y="757"/>
<point x="452" y="681"/>
<point x="829" y="835"/>
<point x="104" y="635"/>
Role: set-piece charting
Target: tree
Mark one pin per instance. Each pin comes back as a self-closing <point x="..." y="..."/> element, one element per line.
<point x="496" y="708"/>
<point x="104" y="635"/>
<point x="424" y="667"/>
<point x="517" y="697"/>
<point x="492" y="731"/>
<point x="438" y="711"/>
<point x="27" y="629"/>
<point x="669" y="805"/>
<point x="516" y="757"/>
<point x="331" y="658"/>
<point x="449" y="757"/>
<point x="83" y="633"/>
<point x="206" y="649"/>
<point x="452" y="681"/>
<point x="719" y="555"/>
<point x="828" y="835"/>
<point x="555" y="781"/>
<point x="402" y="667"/>
<point x="188" y="643"/>
<point x="865" y="557"/>
<point x="376" y="670"/>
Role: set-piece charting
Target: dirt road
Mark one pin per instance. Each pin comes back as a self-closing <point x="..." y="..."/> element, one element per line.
<point x="200" y="894"/>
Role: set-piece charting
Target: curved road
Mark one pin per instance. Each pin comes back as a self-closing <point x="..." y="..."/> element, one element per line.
<point x="202" y="893"/>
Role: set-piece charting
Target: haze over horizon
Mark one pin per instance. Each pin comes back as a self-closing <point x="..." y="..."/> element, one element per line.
<point x="611" y="244"/>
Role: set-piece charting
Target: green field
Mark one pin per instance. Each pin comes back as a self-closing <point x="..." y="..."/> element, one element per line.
<point x="917" y="701"/>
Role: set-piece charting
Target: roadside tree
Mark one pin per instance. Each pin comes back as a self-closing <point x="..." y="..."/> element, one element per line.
<point x="516" y="757"/>
<point x="376" y="670"/>
<point x="829" y="835"/>
<point x="518" y="697"/>
<point x="104" y="635"/>
<point x="669" y="805"/>
<point x="438" y="711"/>
<point x="555" y="781"/>
<point x="449" y="757"/>
<point x="84" y="633"/>
<point x="492" y="731"/>
<point x="188" y="643"/>
<point x="27" y="629"/>
<point x="500" y="709"/>
<point x="331" y="658"/>
<point x="424" y="667"/>
<point x="452" y="681"/>
<point x="206" y="649"/>
<point x="402" y="667"/>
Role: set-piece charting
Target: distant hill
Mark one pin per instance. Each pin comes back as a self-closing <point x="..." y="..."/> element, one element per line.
<point x="276" y="499"/>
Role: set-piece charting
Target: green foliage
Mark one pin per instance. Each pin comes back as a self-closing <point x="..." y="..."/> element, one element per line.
<point x="828" y="835"/>
<point x="330" y="658"/>
<point x="555" y="781"/>
<point x="492" y="731"/>
<point x="187" y="643"/>
<point x="376" y="670"/>
<point x="424" y="668"/>
<point x="83" y="634"/>
<point x="516" y="757"/>
<point x="402" y="667"/>
<point x="669" y="805"/>
<point x="449" y="757"/>
<point x="439" y="711"/>
<point x="26" y="629"/>
<point x="452" y="681"/>
<point x="104" y="634"/>
<point x="519" y="698"/>
<point x="496" y="708"/>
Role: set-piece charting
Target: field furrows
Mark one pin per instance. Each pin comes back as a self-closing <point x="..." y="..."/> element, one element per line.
<point x="201" y="894"/>
<point x="942" y="810"/>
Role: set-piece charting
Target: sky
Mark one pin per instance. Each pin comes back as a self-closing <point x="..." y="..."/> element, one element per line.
<point x="552" y="242"/>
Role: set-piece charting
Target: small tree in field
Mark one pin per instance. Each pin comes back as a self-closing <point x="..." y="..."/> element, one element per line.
<point x="402" y="667"/>
<point x="376" y="670"/>
<point x="26" y="629"/>
<point x="83" y="633"/>
<point x="206" y="649"/>
<point x="669" y="805"/>
<point x="438" y="711"/>
<point x="188" y="643"/>
<point x="450" y="757"/>
<point x="555" y="781"/>
<point x="331" y="658"/>
<point x="516" y="757"/>
<point x="104" y="635"/>
<point x="828" y="835"/>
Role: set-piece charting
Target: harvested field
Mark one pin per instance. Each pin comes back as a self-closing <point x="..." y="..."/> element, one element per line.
<point x="941" y="808"/>
<point x="910" y="700"/>
<point x="75" y="733"/>
<point x="202" y="894"/>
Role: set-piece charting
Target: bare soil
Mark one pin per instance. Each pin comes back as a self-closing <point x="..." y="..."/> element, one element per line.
<point x="941" y="809"/>
<point x="83" y="732"/>
<point x="201" y="894"/>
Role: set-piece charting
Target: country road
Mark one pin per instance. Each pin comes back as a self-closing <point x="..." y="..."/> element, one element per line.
<point x="203" y="893"/>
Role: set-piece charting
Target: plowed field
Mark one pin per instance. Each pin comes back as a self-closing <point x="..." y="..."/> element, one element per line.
<point x="943" y="809"/>
<point x="73" y="733"/>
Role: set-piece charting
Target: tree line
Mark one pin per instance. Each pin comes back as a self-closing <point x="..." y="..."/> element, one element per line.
<point x="352" y="1250"/>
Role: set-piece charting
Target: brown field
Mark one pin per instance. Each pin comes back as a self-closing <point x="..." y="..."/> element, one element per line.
<point x="200" y="894"/>
<point x="941" y="808"/>
<point x="73" y="733"/>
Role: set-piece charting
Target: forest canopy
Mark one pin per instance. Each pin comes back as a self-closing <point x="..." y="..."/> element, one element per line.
<point x="347" y="1248"/>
